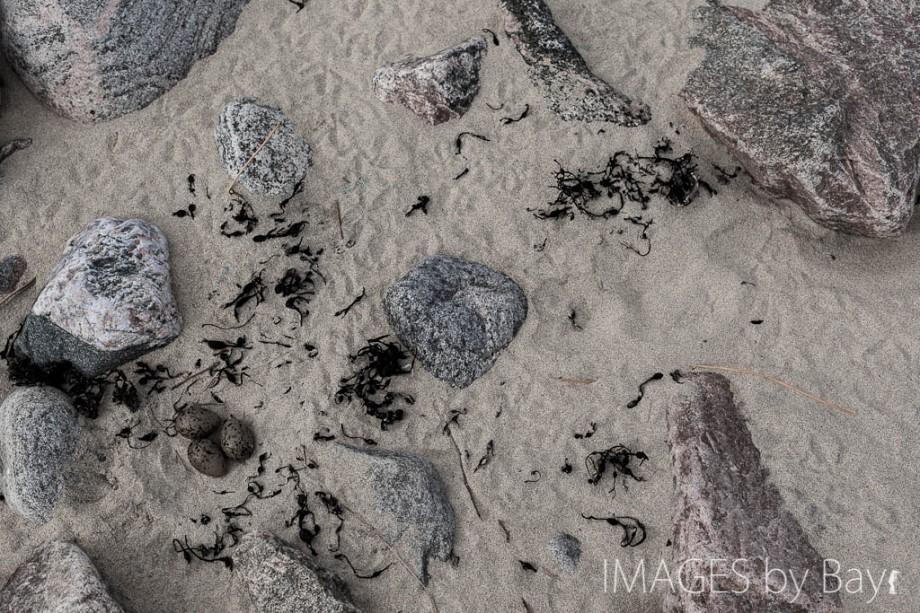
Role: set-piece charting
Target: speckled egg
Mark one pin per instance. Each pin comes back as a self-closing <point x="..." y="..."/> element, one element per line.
<point x="237" y="440"/>
<point x="196" y="422"/>
<point x="206" y="457"/>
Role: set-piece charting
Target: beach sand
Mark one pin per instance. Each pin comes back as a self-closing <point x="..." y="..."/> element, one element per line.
<point x="835" y="310"/>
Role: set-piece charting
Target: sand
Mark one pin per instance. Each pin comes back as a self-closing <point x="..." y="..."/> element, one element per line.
<point x="835" y="310"/>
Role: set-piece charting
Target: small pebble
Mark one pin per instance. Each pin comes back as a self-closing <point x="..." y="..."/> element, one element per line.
<point x="11" y="270"/>
<point x="197" y="422"/>
<point x="206" y="457"/>
<point x="237" y="440"/>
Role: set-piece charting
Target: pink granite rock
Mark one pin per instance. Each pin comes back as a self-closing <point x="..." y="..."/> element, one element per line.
<point x="58" y="578"/>
<point x="818" y="100"/>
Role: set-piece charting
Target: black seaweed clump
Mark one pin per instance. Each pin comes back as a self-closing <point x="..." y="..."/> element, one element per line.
<point x="633" y="529"/>
<point x="377" y="363"/>
<point x="635" y="402"/>
<point x="618" y="460"/>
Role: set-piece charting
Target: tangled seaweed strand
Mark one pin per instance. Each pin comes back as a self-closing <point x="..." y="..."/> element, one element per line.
<point x="633" y="529"/>
<point x="617" y="459"/>
<point x="379" y="362"/>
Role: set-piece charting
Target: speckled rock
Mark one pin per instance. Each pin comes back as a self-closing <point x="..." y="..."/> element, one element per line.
<point x="206" y="457"/>
<point x="281" y="579"/>
<point x="108" y="301"/>
<point x="566" y="551"/>
<point x="58" y="578"/>
<point x="455" y="316"/>
<point x="818" y="101"/>
<point x="38" y="434"/>
<point x="237" y="440"/>
<point x="197" y="422"/>
<point x="280" y="165"/>
<point x="11" y="270"/>
<point x="437" y="87"/>
<point x="405" y="493"/>
<point x="725" y="508"/>
<point x="94" y="60"/>
<point x="556" y="68"/>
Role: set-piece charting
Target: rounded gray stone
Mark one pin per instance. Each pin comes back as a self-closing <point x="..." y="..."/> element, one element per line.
<point x="566" y="551"/>
<point x="38" y="435"/>
<point x="279" y="166"/>
<point x="455" y="316"/>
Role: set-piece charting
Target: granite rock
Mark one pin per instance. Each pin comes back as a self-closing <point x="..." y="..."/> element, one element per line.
<point x="818" y="101"/>
<point x="556" y="68"/>
<point x="566" y="551"/>
<point x="405" y="493"/>
<point x="108" y="301"/>
<point x="455" y="316"/>
<point x="95" y="60"/>
<point x="282" y="579"/>
<point x="58" y="578"/>
<point x="11" y="270"/>
<point x="437" y="87"/>
<point x="725" y="508"/>
<point x="279" y="166"/>
<point x="38" y="435"/>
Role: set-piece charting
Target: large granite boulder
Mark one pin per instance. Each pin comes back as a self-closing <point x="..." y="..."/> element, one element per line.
<point x="58" y="578"/>
<point x="455" y="316"/>
<point x="95" y="60"/>
<point x="729" y="521"/>
<point x="437" y="87"/>
<point x="282" y="579"/>
<point x="108" y="302"/>
<point x="403" y="495"/>
<point x="282" y="161"/>
<point x="556" y="68"/>
<point x="38" y="435"/>
<point x="818" y="100"/>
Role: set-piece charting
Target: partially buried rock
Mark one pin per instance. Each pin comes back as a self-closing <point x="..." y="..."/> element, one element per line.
<point x="282" y="161"/>
<point x="59" y="578"/>
<point x="196" y="422"/>
<point x="729" y="521"/>
<point x="566" y="550"/>
<point x="96" y="60"/>
<point x="818" y="101"/>
<point x="406" y="494"/>
<point x="206" y="457"/>
<point x="282" y="579"/>
<point x="438" y="87"/>
<point x="455" y="316"/>
<point x="237" y="440"/>
<point x="569" y="87"/>
<point x="38" y="434"/>
<point x="108" y="302"/>
<point x="11" y="270"/>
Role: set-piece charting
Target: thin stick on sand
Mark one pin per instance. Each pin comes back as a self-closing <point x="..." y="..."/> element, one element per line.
<point x="788" y="386"/>
<point x="338" y="211"/>
<point x="16" y="292"/>
<point x="253" y="156"/>
<point x="466" y="481"/>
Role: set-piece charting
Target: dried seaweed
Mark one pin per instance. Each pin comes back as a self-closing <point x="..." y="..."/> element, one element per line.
<point x="494" y="37"/>
<point x="367" y="441"/>
<point x="589" y="433"/>
<point x="300" y="5"/>
<point x="243" y="219"/>
<point x="298" y="287"/>
<point x="527" y="566"/>
<point x="535" y="475"/>
<point x="346" y="310"/>
<point x="462" y="173"/>
<point x="566" y="467"/>
<point x="191" y="184"/>
<point x="485" y="459"/>
<point x="618" y="460"/>
<point x="230" y="356"/>
<point x="187" y="212"/>
<point x="459" y="142"/>
<point x="421" y="204"/>
<point x="281" y="231"/>
<point x="252" y="291"/>
<point x="633" y="529"/>
<point x="506" y="120"/>
<point x="633" y="403"/>
<point x="377" y="363"/>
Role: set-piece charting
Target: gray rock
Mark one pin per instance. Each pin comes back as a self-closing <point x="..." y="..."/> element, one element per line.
<point x="58" y="578"/>
<point x="108" y="301"/>
<point x="282" y="579"/>
<point x="818" y="101"/>
<point x="556" y="68"/>
<point x="566" y="550"/>
<point x="38" y="435"/>
<point x="406" y="493"/>
<point x="11" y="270"/>
<point x="725" y="508"/>
<point x="94" y="60"/>
<point x="438" y="87"/>
<point x="455" y="316"/>
<point x="280" y="165"/>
